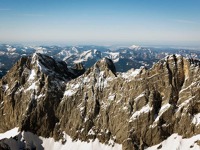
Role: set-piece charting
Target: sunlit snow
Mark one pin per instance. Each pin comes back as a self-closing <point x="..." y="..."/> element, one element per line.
<point x="69" y="93"/>
<point x="144" y="109"/>
<point x="131" y="73"/>
<point x="32" y="75"/>
<point x="9" y="133"/>
<point x="177" y="142"/>
<point x="196" y="119"/>
<point x="50" y="144"/>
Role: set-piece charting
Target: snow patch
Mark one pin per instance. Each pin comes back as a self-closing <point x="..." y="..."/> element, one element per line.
<point x="86" y="80"/>
<point x="177" y="142"/>
<point x="39" y="64"/>
<point x="111" y="97"/>
<point x="196" y="119"/>
<point x="91" y="132"/>
<point x="189" y="87"/>
<point x="41" y="95"/>
<point x="10" y="133"/>
<point x="131" y="73"/>
<point x="50" y="144"/>
<point x="139" y="96"/>
<point x="79" y="145"/>
<point x="76" y="86"/>
<point x="144" y="109"/>
<point x="32" y="75"/>
<point x="85" y="56"/>
<point x="78" y="61"/>
<point x="5" y="87"/>
<point x="69" y="93"/>
<point x="162" y="110"/>
<point x="10" y="49"/>
<point x="32" y="87"/>
<point x="113" y="55"/>
<point x="184" y="103"/>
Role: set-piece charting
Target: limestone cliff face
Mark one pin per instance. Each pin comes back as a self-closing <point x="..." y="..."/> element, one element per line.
<point x="136" y="109"/>
<point x="31" y="92"/>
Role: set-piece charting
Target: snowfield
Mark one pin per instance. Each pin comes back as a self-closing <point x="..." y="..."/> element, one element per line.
<point x="9" y="133"/>
<point x="174" y="142"/>
<point x="177" y="142"/>
<point x="50" y="144"/>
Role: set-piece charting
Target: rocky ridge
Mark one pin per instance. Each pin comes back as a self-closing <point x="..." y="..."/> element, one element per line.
<point x="137" y="109"/>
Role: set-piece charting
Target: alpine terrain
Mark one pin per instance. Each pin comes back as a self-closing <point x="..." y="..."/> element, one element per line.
<point x="45" y="104"/>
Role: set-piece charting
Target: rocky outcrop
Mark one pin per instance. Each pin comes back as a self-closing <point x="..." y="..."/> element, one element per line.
<point x="137" y="109"/>
<point x="31" y="92"/>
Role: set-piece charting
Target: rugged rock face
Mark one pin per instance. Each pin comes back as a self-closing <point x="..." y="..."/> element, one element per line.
<point x="137" y="109"/>
<point x="31" y="92"/>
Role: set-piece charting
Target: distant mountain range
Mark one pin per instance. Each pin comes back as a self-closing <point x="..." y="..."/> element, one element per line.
<point x="124" y="58"/>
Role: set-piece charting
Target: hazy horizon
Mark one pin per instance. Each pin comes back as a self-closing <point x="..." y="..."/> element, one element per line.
<point x="102" y="22"/>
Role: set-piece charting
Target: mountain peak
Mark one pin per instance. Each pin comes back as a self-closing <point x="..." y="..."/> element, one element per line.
<point x="106" y="64"/>
<point x="50" y="66"/>
<point x="45" y="63"/>
<point x="134" y="47"/>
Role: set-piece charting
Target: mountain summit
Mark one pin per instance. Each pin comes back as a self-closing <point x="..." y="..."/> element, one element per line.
<point x="133" y="110"/>
<point x="134" y="47"/>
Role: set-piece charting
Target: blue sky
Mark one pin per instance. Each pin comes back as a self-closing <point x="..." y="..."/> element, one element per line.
<point x="100" y="21"/>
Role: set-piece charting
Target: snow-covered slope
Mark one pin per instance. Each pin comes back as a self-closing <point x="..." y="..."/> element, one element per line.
<point x="16" y="140"/>
<point x="177" y="142"/>
<point x="23" y="140"/>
